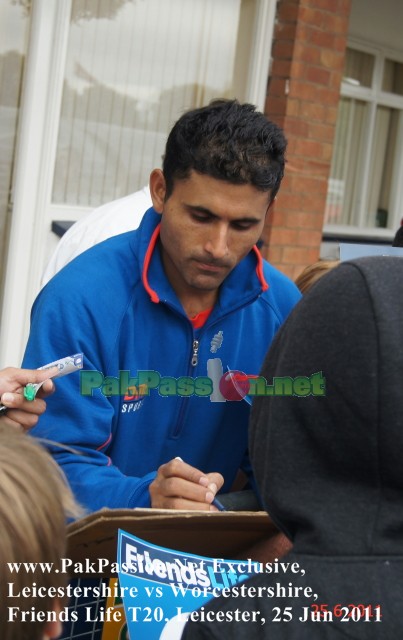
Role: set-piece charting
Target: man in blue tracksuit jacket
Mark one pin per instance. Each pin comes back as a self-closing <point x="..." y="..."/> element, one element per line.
<point x="162" y="314"/>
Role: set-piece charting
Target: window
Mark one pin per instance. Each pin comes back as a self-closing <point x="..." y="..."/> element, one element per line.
<point x="14" y="29"/>
<point x="132" y="68"/>
<point x="366" y="173"/>
<point x="104" y="80"/>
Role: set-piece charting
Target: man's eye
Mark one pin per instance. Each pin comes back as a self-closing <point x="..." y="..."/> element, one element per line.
<point x="242" y="226"/>
<point x="200" y="217"/>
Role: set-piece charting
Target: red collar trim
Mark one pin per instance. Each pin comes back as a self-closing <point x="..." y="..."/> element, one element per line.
<point x="200" y="318"/>
<point x="147" y="259"/>
<point x="259" y="268"/>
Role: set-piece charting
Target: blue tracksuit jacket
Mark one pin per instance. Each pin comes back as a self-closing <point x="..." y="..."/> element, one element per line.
<point x="125" y="317"/>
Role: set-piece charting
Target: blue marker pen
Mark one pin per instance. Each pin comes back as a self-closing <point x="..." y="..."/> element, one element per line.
<point x="218" y="504"/>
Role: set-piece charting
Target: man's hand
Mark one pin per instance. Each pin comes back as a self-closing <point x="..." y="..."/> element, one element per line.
<point x="180" y="486"/>
<point x="20" y="412"/>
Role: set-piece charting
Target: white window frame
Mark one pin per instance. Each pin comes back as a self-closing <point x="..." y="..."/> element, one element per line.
<point x="374" y="96"/>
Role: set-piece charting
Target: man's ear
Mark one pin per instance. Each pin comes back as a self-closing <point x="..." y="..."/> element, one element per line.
<point x="157" y="189"/>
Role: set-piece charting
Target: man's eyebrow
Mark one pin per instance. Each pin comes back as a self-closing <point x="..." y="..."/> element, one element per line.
<point x="201" y="209"/>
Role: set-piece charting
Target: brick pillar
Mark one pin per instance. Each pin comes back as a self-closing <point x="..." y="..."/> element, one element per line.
<point x="303" y="93"/>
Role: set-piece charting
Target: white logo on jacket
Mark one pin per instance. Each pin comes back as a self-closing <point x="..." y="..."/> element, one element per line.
<point x="217" y="342"/>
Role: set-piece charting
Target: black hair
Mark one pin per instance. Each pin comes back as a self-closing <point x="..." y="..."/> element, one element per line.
<point x="228" y="141"/>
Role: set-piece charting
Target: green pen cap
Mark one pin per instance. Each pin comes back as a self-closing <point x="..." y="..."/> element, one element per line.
<point x="30" y="392"/>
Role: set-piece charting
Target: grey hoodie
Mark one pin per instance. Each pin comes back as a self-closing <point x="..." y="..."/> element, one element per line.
<point x="330" y="468"/>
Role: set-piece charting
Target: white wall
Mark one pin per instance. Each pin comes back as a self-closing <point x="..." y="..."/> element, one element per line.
<point x="378" y="21"/>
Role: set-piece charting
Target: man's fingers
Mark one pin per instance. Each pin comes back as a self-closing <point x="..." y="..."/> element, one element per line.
<point x="39" y="375"/>
<point x="215" y="479"/>
<point x="6" y="422"/>
<point x="19" y="419"/>
<point x="184" y="505"/>
<point x="177" y="468"/>
<point x="12" y="379"/>
<point x="177" y="493"/>
<point x="165" y="492"/>
<point x="46" y="389"/>
<point x="16" y="401"/>
<point x="21" y="412"/>
<point x="178" y="485"/>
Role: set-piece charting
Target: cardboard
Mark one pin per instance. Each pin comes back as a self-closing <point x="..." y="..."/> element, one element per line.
<point x="220" y="535"/>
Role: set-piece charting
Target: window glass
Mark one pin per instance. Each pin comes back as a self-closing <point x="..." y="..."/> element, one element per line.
<point x="393" y="77"/>
<point x="359" y="68"/>
<point x="132" y="68"/>
<point x="381" y="167"/>
<point x="343" y="188"/>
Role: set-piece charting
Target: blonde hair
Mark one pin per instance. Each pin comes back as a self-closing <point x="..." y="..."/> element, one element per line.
<point x="34" y="503"/>
<point x="313" y="273"/>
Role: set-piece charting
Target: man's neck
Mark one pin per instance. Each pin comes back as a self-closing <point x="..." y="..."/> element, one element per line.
<point x="199" y="302"/>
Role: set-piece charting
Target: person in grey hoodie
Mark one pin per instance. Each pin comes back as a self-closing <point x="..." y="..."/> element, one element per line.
<point x="330" y="470"/>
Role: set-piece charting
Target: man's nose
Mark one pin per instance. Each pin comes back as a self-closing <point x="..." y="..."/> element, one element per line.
<point x="217" y="244"/>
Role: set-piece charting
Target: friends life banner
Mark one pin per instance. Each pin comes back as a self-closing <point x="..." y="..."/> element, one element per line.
<point x="161" y="587"/>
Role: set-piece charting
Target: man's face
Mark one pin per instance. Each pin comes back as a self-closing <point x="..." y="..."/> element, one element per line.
<point x="207" y="227"/>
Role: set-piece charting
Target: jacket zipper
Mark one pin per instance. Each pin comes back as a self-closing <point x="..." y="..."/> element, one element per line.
<point x="193" y="363"/>
<point x="195" y="355"/>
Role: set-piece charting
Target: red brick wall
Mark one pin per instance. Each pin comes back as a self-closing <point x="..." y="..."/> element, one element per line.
<point x="303" y="92"/>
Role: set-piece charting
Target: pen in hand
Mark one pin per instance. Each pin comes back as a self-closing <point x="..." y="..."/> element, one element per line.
<point x="216" y="503"/>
